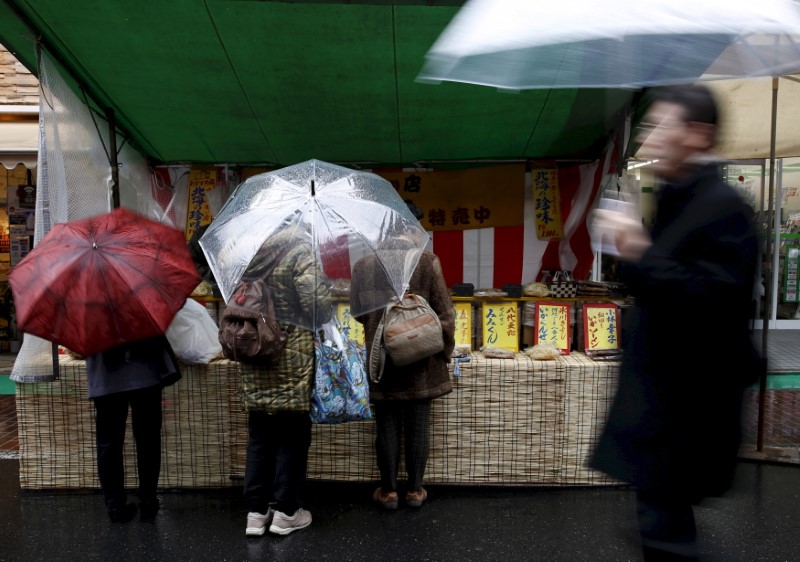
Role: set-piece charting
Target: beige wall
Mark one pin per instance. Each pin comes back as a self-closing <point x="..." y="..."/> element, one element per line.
<point x="17" y="85"/>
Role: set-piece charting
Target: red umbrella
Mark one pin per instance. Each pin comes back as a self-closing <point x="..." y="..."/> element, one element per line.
<point x="95" y="283"/>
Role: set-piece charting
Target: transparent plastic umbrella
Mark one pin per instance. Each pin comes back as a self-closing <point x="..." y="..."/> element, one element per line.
<point x="519" y="44"/>
<point x="344" y="215"/>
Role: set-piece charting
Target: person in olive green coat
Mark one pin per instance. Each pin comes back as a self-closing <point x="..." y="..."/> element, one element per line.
<point x="277" y="399"/>
<point x="402" y="399"/>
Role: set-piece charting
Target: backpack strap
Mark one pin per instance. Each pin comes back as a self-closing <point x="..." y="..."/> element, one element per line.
<point x="267" y="272"/>
<point x="377" y="353"/>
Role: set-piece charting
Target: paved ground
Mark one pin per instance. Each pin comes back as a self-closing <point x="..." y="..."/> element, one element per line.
<point x="756" y="521"/>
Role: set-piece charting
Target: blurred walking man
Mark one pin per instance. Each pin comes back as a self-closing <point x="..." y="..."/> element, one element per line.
<point x="674" y="427"/>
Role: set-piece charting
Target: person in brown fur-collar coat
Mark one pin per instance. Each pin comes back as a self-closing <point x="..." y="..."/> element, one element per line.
<point x="402" y="398"/>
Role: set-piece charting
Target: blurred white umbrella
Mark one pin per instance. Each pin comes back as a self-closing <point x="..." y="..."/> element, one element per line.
<point x="520" y="44"/>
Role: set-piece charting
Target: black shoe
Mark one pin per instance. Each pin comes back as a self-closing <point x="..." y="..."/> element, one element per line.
<point x="148" y="509"/>
<point x="122" y="514"/>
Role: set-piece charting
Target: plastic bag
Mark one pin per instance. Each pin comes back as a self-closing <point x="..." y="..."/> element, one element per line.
<point x="193" y="334"/>
<point x="341" y="390"/>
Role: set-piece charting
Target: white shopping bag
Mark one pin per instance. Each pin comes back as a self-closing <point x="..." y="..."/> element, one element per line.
<point x="193" y="334"/>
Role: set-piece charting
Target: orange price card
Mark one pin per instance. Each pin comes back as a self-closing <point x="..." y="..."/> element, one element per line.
<point x="500" y="325"/>
<point x="552" y="325"/>
<point x="600" y="327"/>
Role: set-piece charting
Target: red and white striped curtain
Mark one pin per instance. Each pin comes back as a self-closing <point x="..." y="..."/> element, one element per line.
<point x="493" y="257"/>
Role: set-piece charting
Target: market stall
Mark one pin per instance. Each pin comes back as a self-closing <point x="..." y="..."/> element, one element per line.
<point x="508" y="421"/>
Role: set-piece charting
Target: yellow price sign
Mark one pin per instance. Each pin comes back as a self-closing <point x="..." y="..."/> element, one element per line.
<point x="552" y="325"/>
<point x="352" y="329"/>
<point x="463" y="323"/>
<point x="600" y="326"/>
<point x="500" y="325"/>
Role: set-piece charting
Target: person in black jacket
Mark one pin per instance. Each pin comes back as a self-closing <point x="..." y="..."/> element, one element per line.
<point x="673" y="430"/>
<point x="130" y="376"/>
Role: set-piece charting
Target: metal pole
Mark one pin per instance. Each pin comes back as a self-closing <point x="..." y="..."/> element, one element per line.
<point x="112" y="156"/>
<point x="767" y="261"/>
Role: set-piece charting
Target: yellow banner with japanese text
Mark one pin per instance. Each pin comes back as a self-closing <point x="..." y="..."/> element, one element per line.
<point x="464" y="199"/>
<point x="208" y="190"/>
<point x="198" y="211"/>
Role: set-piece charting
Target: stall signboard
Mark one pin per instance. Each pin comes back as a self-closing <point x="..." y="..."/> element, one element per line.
<point x="552" y="325"/>
<point x="791" y="259"/>
<point x="463" y="324"/>
<point x="198" y="210"/>
<point x="352" y="329"/>
<point x="463" y="199"/>
<point x="500" y="325"/>
<point x="547" y="204"/>
<point x="600" y="327"/>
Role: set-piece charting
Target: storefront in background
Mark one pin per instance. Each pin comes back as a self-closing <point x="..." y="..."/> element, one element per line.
<point x="751" y="179"/>
<point x="19" y="140"/>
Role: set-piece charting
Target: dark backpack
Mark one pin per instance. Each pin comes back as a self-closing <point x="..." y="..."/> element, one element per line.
<point x="248" y="330"/>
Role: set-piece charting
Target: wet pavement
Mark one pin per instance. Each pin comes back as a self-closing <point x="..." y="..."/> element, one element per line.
<point x="756" y="521"/>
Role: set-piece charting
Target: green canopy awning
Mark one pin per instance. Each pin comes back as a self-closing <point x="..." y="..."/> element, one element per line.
<point x="247" y="81"/>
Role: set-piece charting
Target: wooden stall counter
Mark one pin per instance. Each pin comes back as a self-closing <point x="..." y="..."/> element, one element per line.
<point x="507" y="422"/>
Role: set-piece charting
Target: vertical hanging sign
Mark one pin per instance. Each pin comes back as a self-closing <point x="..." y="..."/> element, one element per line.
<point x="547" y="204"/>
<point x="198" y="211"/>
<point x="500" y="325"/>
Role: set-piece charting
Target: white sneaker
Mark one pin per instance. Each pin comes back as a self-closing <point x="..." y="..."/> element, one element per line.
<point x="282" y="524"/>
<point x="257" y="523"/>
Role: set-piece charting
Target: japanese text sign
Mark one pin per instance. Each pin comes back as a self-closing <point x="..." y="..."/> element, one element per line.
<point x="547" y="204"/>
<point x="600" y="327"/>
<point x="463" y="199"/>
<point x="463" y="323"/>
<point x="552" y="325"/>
<point x="351" y="328"/>
<point x="500" y="325"/>
<point x="198" y="212"/>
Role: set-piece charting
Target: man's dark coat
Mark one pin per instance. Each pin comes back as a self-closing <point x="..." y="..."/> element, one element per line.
<point x="674" y="425"/>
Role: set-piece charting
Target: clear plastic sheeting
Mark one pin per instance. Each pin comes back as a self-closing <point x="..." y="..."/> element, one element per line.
<point x="519" y="44"/>
<point x="345" y="215"/>
<point x="73" y="182"/>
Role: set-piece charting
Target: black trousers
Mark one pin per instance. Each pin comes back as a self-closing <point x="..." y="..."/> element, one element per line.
<point x="667" y="527"/>
<point x="396" y="421"/>
<point x="111" y="416"/>
<point x="277" y="460"/>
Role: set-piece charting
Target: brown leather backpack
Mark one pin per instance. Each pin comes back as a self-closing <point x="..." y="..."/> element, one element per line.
<point x="248" y="329"/>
